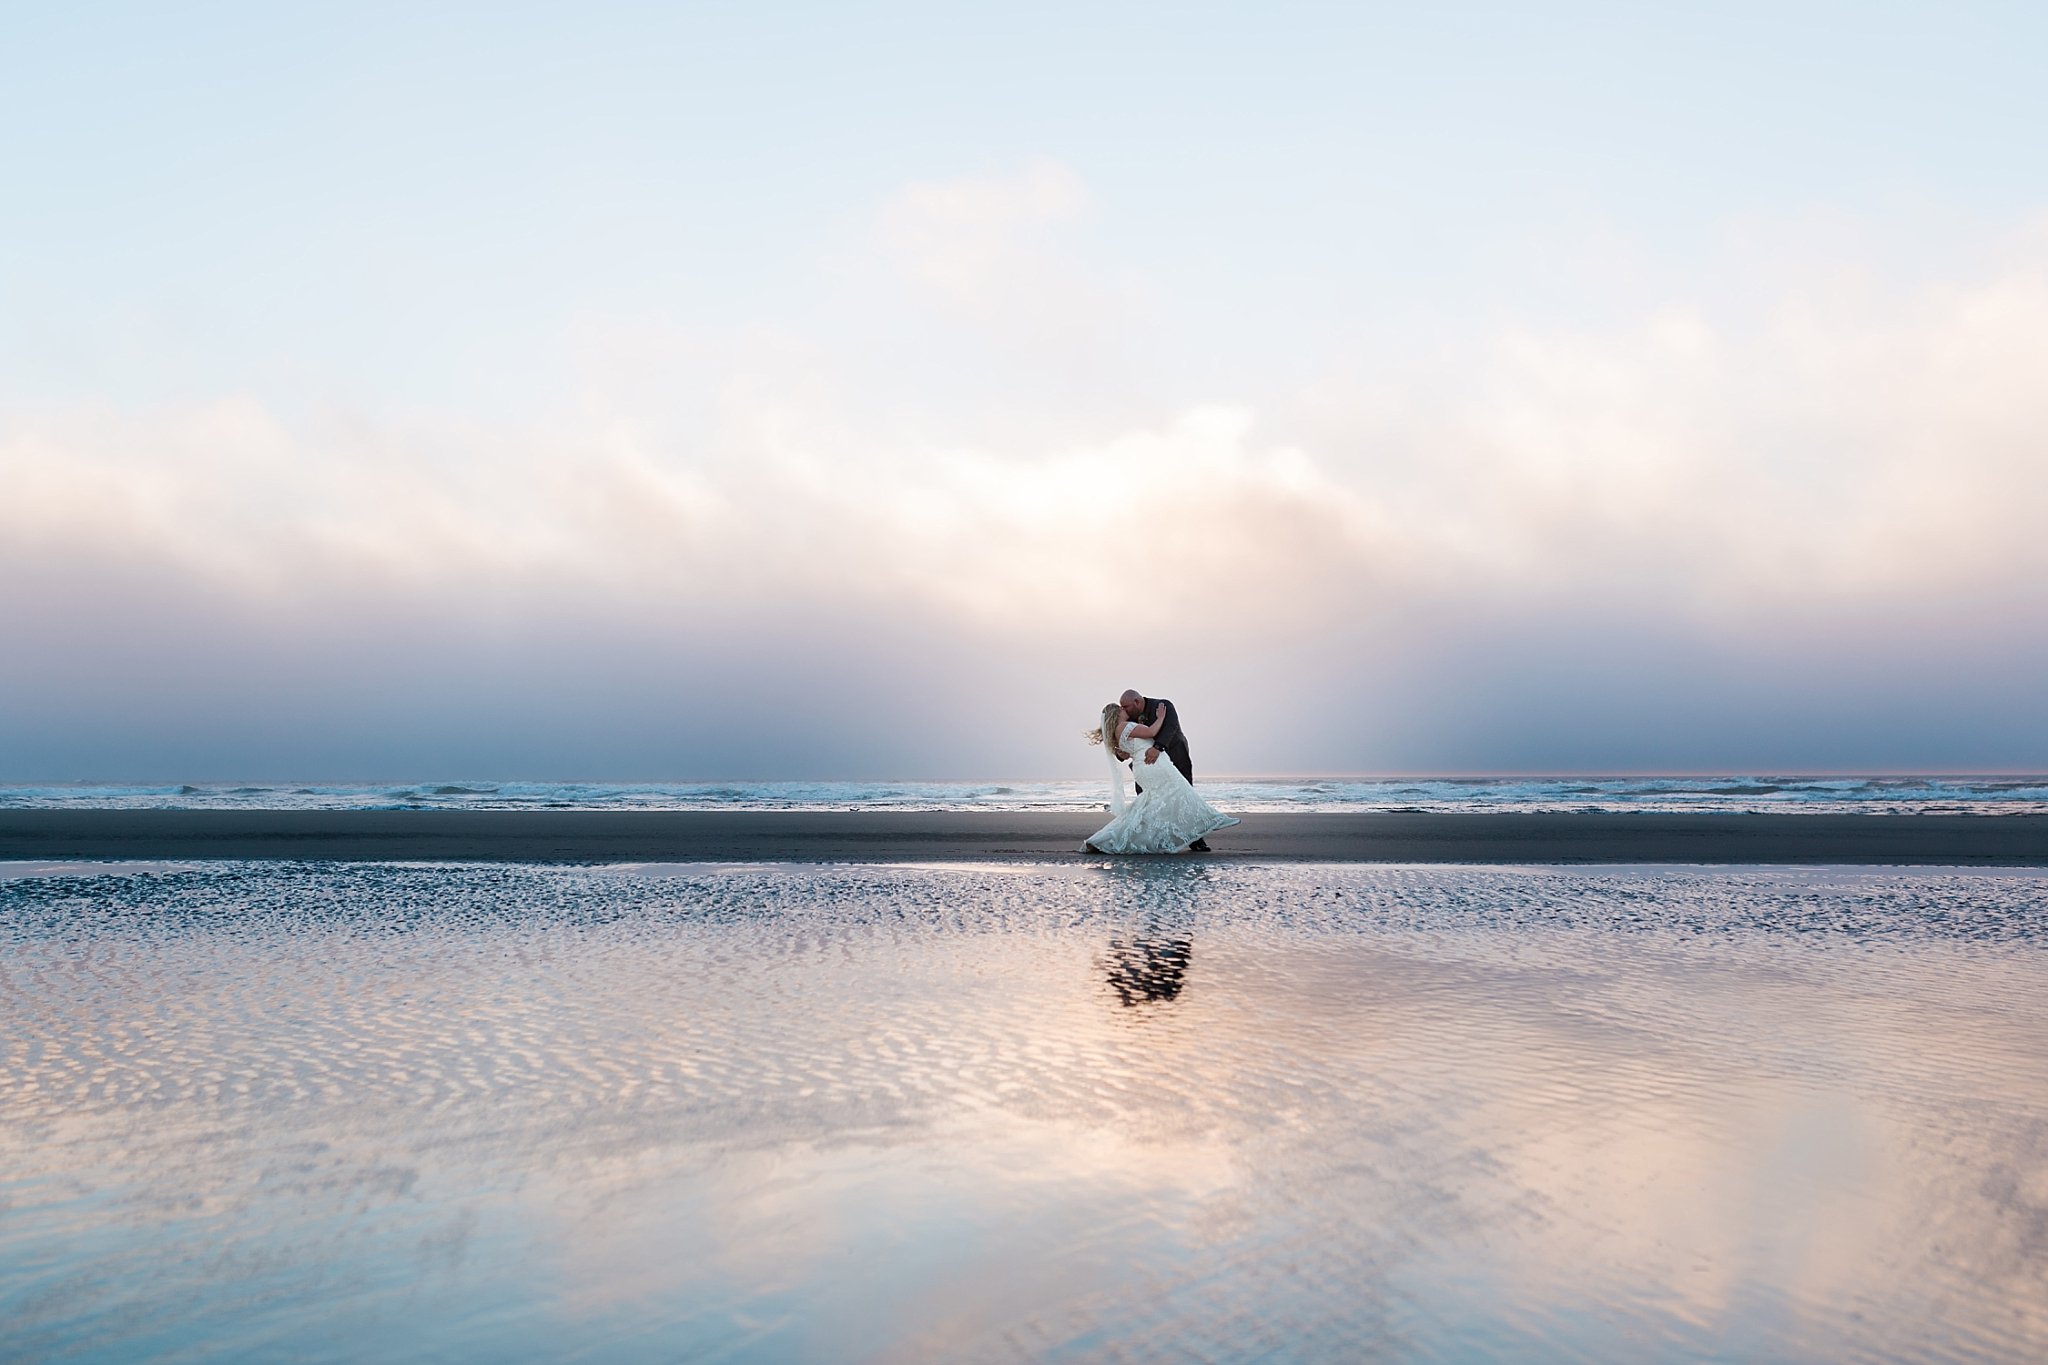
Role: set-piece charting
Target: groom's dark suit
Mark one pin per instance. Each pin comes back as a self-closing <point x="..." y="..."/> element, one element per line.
<point x="1169" y="740"/>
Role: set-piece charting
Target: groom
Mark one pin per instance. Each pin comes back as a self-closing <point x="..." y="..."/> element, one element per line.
<point x="1145" y="710"/>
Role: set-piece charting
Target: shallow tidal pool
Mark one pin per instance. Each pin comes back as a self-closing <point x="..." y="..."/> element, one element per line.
<point x="1164" y="1111"/>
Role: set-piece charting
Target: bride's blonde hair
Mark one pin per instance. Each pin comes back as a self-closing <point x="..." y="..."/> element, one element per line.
<point x="1105" y="733"/>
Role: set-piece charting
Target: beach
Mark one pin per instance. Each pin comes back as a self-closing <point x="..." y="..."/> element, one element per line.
<point x="582" y="587"/>
<point x="933" y="1084"/>
<point x="1142" y="1110"/>
<point x="594" y="836"/>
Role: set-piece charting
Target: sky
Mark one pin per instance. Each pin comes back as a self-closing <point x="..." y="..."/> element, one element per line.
<point x="844" y="391"/>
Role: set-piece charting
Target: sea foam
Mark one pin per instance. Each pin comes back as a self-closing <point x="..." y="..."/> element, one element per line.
<point x="1912" y="794"/>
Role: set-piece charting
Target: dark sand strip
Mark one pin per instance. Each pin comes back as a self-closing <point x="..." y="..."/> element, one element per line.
<point x="908" y="836"/>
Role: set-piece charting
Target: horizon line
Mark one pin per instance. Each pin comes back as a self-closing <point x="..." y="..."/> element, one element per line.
<point x="1407" y="775"/>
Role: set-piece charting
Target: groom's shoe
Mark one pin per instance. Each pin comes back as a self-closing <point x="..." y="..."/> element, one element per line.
<point x="1200" y="846"/>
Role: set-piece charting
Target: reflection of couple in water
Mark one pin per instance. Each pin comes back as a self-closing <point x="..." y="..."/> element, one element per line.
<point x="1147" y="970"/>
<point x="1154" y="944"/>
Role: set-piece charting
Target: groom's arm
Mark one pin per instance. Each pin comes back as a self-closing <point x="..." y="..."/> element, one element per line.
<point x="1169" y="721"/>
<point x="1165" y="719"/>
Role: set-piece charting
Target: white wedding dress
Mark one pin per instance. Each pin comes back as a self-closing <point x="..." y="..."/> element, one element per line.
<point x="1165" y="817"/>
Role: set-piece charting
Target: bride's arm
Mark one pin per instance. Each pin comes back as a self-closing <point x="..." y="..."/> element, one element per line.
<point x="1148" y="731"/>
<point x="1134" y="734"/>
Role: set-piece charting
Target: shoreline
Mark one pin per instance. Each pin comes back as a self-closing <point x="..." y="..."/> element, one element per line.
<point x="600" y="836"/>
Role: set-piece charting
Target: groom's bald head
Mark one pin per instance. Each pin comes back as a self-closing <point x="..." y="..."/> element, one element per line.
<point x="1133" y="703"/>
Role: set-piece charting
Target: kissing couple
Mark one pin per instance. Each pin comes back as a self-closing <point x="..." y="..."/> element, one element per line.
<point x="1166" y="816"/>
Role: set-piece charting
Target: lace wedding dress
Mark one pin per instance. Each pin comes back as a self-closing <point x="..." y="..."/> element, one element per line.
<point x="1165" y="817"/>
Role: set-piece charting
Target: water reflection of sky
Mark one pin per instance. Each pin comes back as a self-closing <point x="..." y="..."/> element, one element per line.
<point x="1011" y="1113"/>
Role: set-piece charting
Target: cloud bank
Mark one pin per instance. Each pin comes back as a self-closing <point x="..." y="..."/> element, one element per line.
<point x="917" y="526"/>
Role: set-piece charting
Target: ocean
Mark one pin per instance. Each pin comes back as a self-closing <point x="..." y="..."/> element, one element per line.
<point x="1901" y="794"/>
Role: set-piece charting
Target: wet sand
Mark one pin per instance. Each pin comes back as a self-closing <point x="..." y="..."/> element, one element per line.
<point x="1150" y="1110"/>
<point x="589" y="836"/>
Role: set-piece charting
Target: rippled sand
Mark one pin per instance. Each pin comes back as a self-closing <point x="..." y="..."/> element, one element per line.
<point x="964" y="1113"/>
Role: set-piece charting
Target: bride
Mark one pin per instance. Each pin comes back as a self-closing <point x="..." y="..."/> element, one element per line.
<point x="1166" y="815"/>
